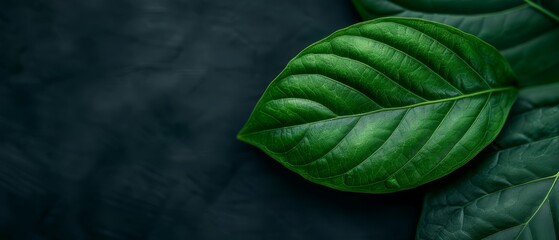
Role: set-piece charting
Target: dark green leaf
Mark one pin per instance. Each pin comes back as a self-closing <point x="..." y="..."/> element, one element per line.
<point x="526" y="36"/>
<point x="510" y="191"/>
<point x="384" y="105"/>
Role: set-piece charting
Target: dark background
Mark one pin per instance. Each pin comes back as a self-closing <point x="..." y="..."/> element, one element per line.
<point x="118" y="121"/>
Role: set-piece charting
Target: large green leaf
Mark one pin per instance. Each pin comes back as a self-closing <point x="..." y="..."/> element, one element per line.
<point x="384" y="105"/>
<point x="510" y="191"/>
<point x="526" y="36"/>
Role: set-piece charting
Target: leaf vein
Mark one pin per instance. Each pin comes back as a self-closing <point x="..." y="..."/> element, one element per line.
<point x="416" y="154"/>
<point x="335" y="146"/>
<point x="304" y="100"/>
<point x="413" y="58"/>
<point x="376" y="150"/>
<point x="335" y="81"/>
<point x="462" y="137"/>
<point x="374" y="69"/>
<point x="457" y="55"/>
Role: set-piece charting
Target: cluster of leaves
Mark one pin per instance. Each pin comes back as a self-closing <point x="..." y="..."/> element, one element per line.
<point x="395" y="102"/>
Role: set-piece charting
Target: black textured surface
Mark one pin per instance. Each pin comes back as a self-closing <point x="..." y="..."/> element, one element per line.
<point x="118" y="121"/>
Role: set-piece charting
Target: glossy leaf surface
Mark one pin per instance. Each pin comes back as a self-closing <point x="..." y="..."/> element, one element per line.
<point x="384" y="105"/>
<point x="526" y="36"/>
<point x="510" y="191"/>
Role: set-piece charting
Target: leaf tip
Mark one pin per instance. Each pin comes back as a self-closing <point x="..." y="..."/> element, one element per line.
<point x="241" y="136"/>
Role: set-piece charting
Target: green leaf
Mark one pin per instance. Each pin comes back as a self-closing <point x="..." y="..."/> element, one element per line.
<point x="384" y="105"/>
<point x="525" y="35"/>
<point x="511" y="190"/>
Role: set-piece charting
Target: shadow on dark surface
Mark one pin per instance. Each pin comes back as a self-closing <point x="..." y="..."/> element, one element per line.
<point x="118" y="121"/>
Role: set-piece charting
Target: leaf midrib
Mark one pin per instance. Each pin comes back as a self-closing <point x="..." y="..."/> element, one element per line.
<point x="241" y="136"/>
<point x="546" y="198"/>
<point x="491" y="13"/>
<point x="542" y="10"/>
